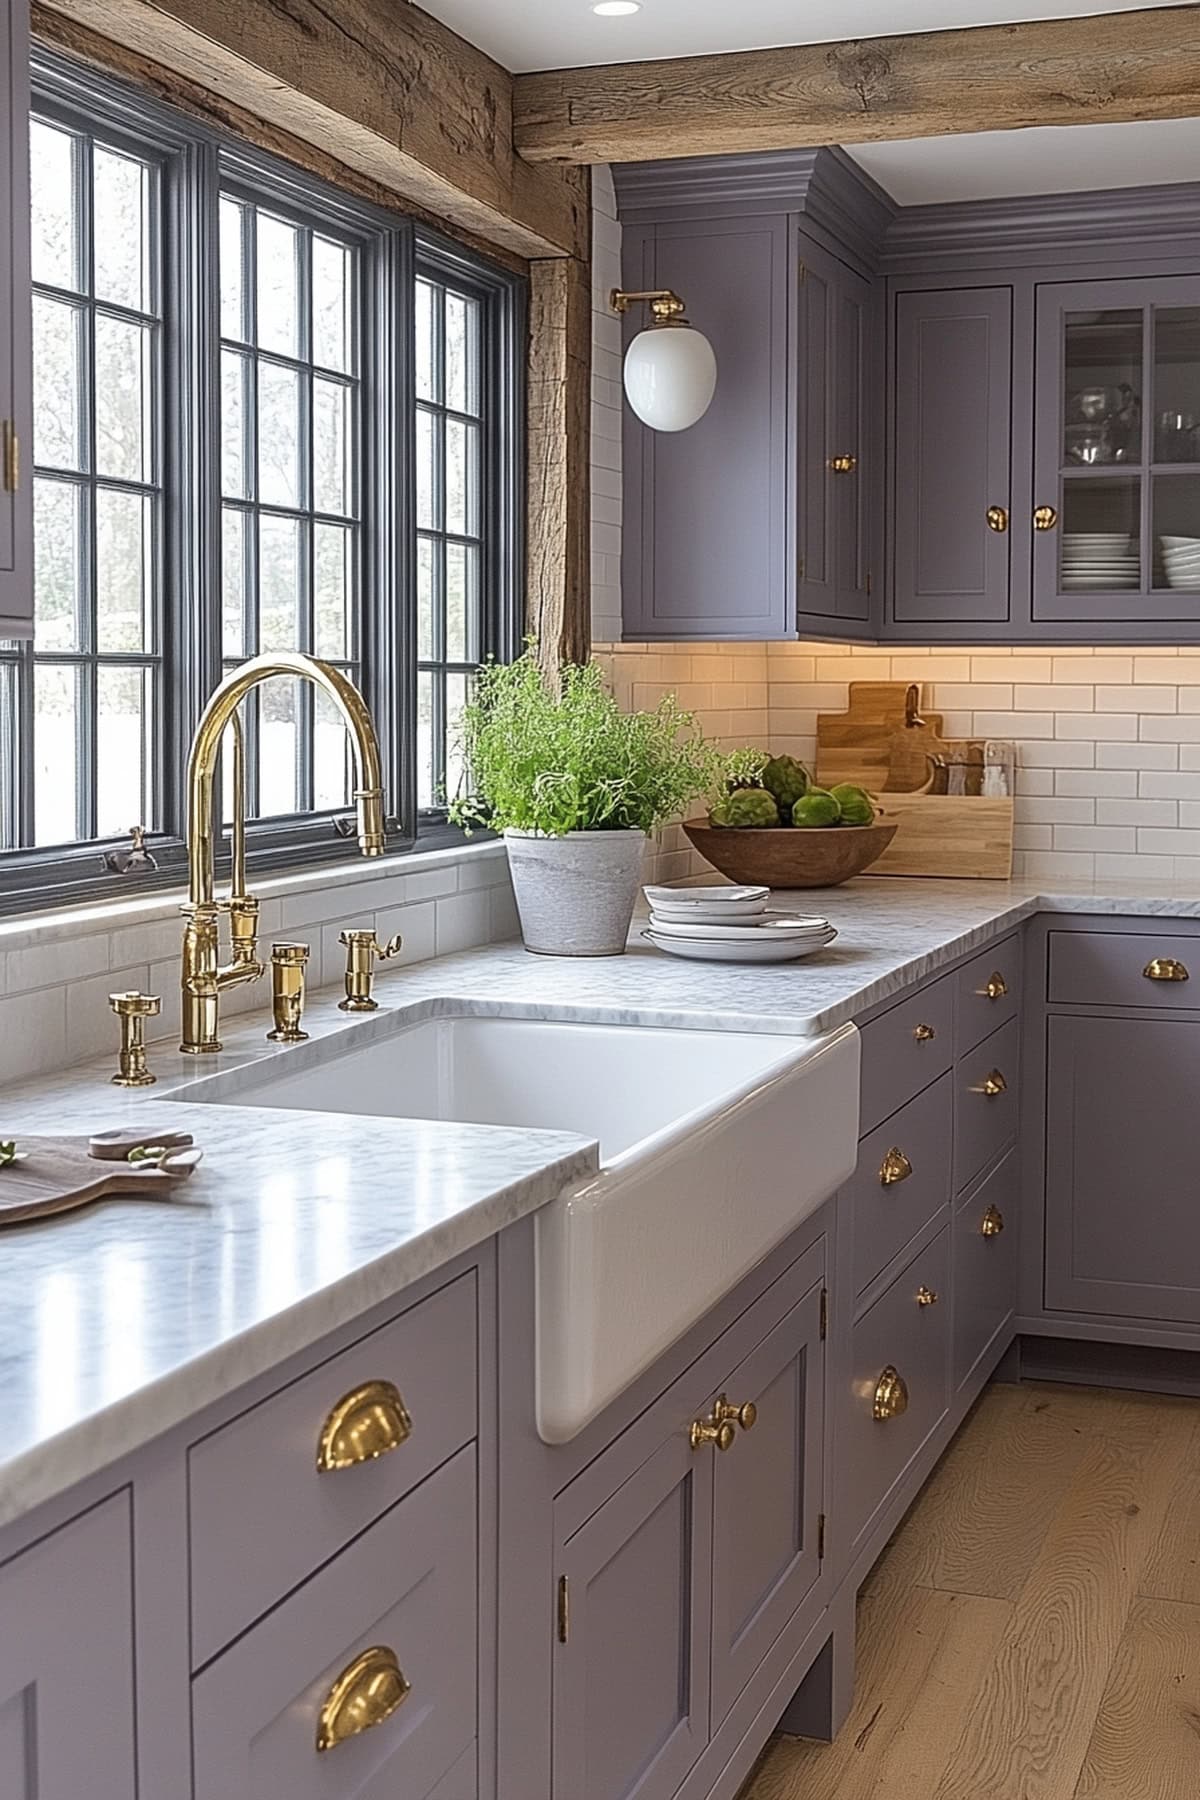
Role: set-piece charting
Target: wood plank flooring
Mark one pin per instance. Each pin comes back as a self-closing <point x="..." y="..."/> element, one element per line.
<point x="1032" y="1631"/>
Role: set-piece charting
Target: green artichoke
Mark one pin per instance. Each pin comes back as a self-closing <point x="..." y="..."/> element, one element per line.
<point x="745" y="807"/>
<point x="854" y="803"/>
<point x="816" y="808"/>
<point x="787" y="780"/>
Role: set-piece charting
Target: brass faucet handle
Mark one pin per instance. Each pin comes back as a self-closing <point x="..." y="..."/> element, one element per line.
<point x="288" y="962"/>
<point x="393" y="947"/>
<point x="133" y="1009"/>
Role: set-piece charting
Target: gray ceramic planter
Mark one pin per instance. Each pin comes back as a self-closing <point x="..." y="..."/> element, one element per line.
<point x="576" y="894"/>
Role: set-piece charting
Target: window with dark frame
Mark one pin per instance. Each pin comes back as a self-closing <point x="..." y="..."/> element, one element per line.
<point x="268" y="416"/>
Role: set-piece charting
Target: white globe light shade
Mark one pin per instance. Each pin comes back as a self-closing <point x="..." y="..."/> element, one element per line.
<point x="670" y="376"/>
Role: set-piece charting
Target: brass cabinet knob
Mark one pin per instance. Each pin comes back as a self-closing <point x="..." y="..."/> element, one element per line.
<point x="366" y="1693"/>
<point x="891" y="1394"/>
<point x="992" y="1223"/>
<point x="1165" y="968"/>
<point x="744" y="1415"/>
<point x="997" y="518"/>
<point x="992" y="1085"/>
<point x="133" y="1009"/>
<point x="368" y="1422"/>
<point x="708" y="1431"/>
<point x="894" y="1168"/>
<point x="996" y="987"/>
<point x="927" y="1296"/>
<point x="1045" y="518"/>
<point x="843" y="465"/>
<point x="924" y="1034"/>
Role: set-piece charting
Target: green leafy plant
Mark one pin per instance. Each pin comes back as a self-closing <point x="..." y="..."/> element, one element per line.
<point x="553" y="758"/>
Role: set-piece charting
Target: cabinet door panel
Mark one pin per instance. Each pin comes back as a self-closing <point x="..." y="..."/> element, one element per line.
<point x="66" y="1663"/>
<point x="1122" y="1228"/>
<point x="631" y="1683"/>
<point x="902" y="1179"/>
<point x="951" y="455"/>
<point x="851" y="486"/>
<point x="16" y="353"/>
<point x="985" y="1266"/>
<point x="766" y="1500"/>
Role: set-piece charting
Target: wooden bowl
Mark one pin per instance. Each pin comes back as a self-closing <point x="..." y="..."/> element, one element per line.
<point x="791" y="857"/>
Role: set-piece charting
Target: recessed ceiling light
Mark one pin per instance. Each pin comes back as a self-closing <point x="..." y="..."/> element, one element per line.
<point x="616" y="9"/>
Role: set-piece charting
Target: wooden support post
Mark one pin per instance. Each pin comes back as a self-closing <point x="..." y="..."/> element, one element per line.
<point x="558" y="542"/>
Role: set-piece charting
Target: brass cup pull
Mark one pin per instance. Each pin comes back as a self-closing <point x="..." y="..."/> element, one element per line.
<point x="997" y="987"/>
<point x="992" y="1086"/>
<point x="992" y="1223"/>
<point x="997" y="518"/>
<point x="1165" y="968"/>
<point x="1045" y="518"/>
<point x="891" y="1394"/>
<point x="894" y="1168"/>
<point x="745" y="1415"/>
<point x="843" y="465"/>
<point x="368" y="1422"/>
<point x="927" y="1296"/>
<point x="924" y="1034"/>
<point x="366" y="1693"/>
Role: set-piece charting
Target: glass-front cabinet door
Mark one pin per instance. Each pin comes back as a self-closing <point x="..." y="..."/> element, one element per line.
<point x="1116" y="502"/>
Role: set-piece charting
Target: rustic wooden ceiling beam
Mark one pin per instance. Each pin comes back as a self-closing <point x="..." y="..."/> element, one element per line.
<point x="377" y="85"/>
<point x="1113" y="67"/>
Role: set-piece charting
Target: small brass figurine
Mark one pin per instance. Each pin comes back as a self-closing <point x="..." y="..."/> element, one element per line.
<point x="362" y="949"/>
<point x="133" y="1010"/>
<point x="287" y="992"/>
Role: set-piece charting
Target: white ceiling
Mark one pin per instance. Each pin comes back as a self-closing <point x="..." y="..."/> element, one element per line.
<point x="562" y="34"/>
<point x="1045" y="159"/>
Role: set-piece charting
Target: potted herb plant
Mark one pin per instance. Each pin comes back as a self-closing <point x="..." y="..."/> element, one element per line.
<point x="575" y="785"/>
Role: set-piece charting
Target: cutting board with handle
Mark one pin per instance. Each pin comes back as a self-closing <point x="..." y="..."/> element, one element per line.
<point x="57" y="1174"/>
<point x="857" y="745"/>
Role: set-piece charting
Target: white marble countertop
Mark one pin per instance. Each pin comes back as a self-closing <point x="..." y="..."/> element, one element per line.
<point x="121" y="1321"/>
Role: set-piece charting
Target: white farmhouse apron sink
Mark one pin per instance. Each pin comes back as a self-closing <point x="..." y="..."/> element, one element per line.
<point x="714" y="1146"/>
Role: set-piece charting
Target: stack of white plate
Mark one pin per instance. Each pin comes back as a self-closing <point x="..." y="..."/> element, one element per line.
<point x="1181" y="561"/>
<point x="730" y="924"/>
<point x="1100" y="560"/>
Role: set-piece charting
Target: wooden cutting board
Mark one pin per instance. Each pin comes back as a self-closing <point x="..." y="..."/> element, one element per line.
<point x="857" y="745"/>
<point x="948" y="834"/>
<point x="57" y="1174"/>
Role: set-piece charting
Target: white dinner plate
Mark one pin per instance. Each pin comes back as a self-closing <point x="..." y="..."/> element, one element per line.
<point x="719" y="905"/>
<point x="766" y="948"/>
<point x="777" y="926"/>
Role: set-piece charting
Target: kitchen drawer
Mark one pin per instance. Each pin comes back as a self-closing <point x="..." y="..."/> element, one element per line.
<point x="407" y="1587"/>
<point x="985" y="1266"/>
<point x="263" y="1517"/>
<point x="989" y="992"/>
<point x="902" y="1179"/>
<point x="987" y="1102"/>
<point x="1100" y="968"/>
<point x="66" y="1662"/>
<point x="906" y="1048"/>
<point x="904" y="1336"/>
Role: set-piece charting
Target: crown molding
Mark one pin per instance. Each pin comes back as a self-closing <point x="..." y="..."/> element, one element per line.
<point x="1039" y="228"/>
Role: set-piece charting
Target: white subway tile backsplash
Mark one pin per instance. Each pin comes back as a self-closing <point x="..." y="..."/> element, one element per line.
<point x="1136" y="756"/>
<point x="1137" y="812"/>
<point x="1096" y="783"/>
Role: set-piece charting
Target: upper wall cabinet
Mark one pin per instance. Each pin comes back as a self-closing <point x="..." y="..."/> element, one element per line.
<point x="1117" y="452"/>
<point x="16" y="355"/>
<point x="951" y="462"/>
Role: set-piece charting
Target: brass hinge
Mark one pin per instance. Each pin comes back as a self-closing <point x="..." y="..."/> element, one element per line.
<point x="824" y="1314"/>
<point x="801" y="272"/>
<point x="12" y="458"/>
<point x="564" y="1609"/>
<point x="800" y="568"/>
<point x="820" y="1537"/>
<point x="868" y="584"/>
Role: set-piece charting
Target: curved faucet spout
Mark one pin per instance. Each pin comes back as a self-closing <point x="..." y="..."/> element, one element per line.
<point x="202" y="761"/>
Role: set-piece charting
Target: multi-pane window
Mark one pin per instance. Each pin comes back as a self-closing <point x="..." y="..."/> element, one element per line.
<point x="268" y="417"/>
<point x="88" y="695"/>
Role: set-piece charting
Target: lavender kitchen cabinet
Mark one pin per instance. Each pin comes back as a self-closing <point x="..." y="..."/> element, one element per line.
<point x="1121" y="1234"/>
<point x="16" y="353"/>
<point x="66" y="1662"/>
<point x="984" y="1293"/>
<point x="951" y="457"/>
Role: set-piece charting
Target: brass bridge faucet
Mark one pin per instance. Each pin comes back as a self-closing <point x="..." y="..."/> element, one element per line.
<point x="202" y="976"/>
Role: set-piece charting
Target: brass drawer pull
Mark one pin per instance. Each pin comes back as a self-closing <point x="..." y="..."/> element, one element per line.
<point x="894" y="1168"/>
<point x="891" y="1394"/>
<point x="1045" y="518"/>
<point x="745" y="1415"/>
<point x="992" y="1086"/>
<point x="927" y="1296"/>
<point x="997" y="518"/>
<point x="992" y="1223"/>
<point x="924" y="1034"/>
<point x="1165" y="968"/>
<point x="996" y="988"/>
<point x="12" y="458"/>
<point x="366" y="1693"/>
<point x="366" y="1423"/>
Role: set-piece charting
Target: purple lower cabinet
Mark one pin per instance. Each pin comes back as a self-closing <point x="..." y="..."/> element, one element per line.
<point x="767" y="1492"/>
<point x="631" y="1680"/>
<point x="902" y="1179"/>
<point x="986" y="1103"/>
<point x="407" y="1587"/>
<point x="1122" y="1227"/>
<point x="905" y="1049"/>
<point x="66" y="1662"/>
<point x="985" y="1266"/>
